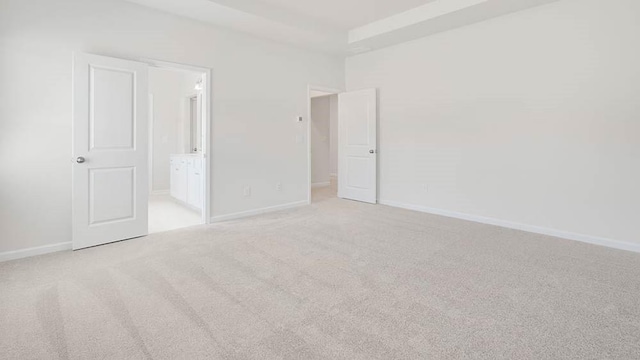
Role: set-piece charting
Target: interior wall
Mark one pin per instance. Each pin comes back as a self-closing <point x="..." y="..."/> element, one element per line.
<point x="320" y="139"/>
<point x="171" y="124"/>
<point x="530" y="118"/>
<point x="259" y="90"/>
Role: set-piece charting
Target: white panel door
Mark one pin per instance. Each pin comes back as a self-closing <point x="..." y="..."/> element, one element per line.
<point x="357" y="146"/>
<point x="110" y="172"/>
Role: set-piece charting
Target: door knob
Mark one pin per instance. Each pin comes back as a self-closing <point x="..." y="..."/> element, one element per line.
<point x="80" y="160"/>
<point x="371" y="151"/>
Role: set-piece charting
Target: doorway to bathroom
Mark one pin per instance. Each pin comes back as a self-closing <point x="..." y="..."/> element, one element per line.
<point x="177" y="162"/>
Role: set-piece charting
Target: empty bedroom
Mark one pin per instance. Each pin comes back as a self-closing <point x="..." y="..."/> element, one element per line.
<point x="304" y="179"/>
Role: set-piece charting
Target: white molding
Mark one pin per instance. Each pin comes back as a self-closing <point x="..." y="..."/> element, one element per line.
<point x="34" y="251"/>
<point x="160" y="192"/>
<point x="321" y="184"/>
<point x="412" y="17"/>
<point x="244" y="214"/>
<point x="615" y="244"/>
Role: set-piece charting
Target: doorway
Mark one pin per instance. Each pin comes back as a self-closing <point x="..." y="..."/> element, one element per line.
<point x="323" y="143"/>
<point x="343" y="150"/>
<point x="177" y="164"/>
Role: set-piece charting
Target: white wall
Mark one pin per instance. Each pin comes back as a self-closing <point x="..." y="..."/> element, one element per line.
<point x="531" y="118"/>
<point x="171" y="123"/>
<point x="259" y="88"/>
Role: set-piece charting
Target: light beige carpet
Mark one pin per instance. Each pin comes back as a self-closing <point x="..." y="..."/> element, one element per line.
<point x="335" y="280"/>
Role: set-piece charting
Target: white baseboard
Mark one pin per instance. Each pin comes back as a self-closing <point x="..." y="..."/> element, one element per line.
<point x="244" y="214"/>
<point x="321" y="184"/>
<point x="616" y="244"/>
<point x="34" y="251"/>
<point x="160" y="192"/>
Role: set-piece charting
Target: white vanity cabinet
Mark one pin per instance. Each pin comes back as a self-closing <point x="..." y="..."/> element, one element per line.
<point x="194" y="182"/>
<point x="186" y="179"/>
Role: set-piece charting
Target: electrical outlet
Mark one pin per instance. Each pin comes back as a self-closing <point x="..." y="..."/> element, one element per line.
<point x="247" y="191"/>
<point x="279" y="186"/>
<point x="425" y="188"/>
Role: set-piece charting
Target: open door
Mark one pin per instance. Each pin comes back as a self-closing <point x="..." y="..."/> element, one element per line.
<point x="357" y="149"/>
<point x="110" y="173"/>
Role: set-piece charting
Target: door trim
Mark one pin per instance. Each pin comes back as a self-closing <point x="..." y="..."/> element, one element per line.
<point x="207" y="121"/>
<point x="332" y="91"/>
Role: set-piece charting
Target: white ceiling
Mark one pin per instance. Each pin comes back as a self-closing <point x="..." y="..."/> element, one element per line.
<point x="346" y="14"/>
<point x="341" y="26"/>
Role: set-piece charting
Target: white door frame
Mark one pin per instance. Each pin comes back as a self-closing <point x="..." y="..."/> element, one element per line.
<point x="207" y="120"/>
<point x="329" y="90"/>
